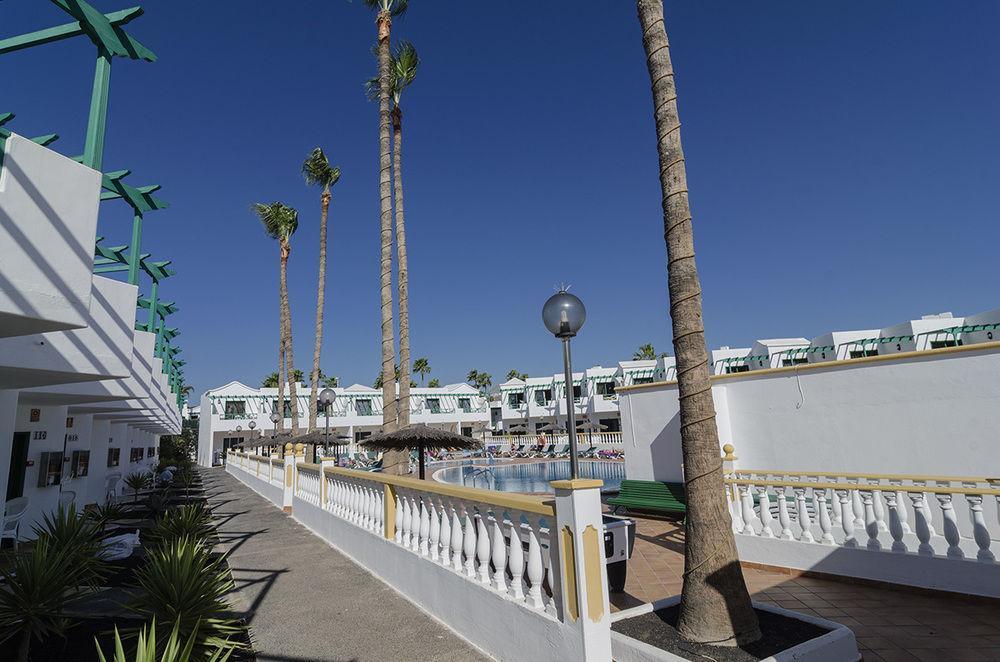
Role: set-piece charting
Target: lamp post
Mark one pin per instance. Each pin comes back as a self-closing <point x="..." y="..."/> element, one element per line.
<point x="563" y="315"/>
<point x="326" y="397"/>
<point x="252" y="426"/>
<point x="274" y="421"/>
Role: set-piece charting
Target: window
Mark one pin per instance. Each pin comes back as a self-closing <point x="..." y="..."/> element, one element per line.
<point x="151" y="451"/>
<point x="360" y="436"/>
<point x="730" y="369"/>
<point x="611" y="424"/>
<point x="114" y="457"/>
<point x="434" y="405"/>
<point x="465" y="404"/>
<point x="605" y="388"/>
<point x="938" y="344"/>
<point x="80" y="464"/>
<point x="236" y="408"/>
<point x="288" y="407"/>
<point x="793" y="361"/>
<point x="135" y="455"/>
<point x="543" y="397"/>
<point x="859" y="354"/>
<point x="363" y="406"/>
<point x="642" y="380"/>
<point x="466" y="431"/>
<point x="515" y="400"/>
<point x="577" y="391"/>
<point x="496" y="415"/>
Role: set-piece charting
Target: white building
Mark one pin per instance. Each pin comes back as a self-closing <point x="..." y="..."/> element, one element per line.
<point x="83" y="398"/>
<point x="226" y="413"/>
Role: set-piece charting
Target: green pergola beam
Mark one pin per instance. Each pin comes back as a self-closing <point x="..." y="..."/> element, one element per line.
<point x="60" y="32"/>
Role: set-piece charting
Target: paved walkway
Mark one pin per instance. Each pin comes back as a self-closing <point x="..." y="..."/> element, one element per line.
<point x="307" y="602"/>
<point x="891" y="625"/>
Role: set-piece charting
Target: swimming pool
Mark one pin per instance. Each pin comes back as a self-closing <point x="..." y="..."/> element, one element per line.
<point x="530" y="477"/>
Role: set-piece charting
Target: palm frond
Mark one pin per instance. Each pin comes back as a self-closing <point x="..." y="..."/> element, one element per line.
<point x="398" y="7"/>
<point x="404" y="64"/>
<point x="280" y="222"/>
<point x="317" y="170"/>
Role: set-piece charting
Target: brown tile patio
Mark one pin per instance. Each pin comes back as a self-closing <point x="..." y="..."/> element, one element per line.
<point x="890" y="624"/>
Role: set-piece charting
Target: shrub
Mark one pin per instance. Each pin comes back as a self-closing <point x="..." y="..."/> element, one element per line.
<point x="182" y="586"/>
<point x="173" y="650"/>
<point x="37" y="585"/>
<point x="192" y="521"/>
<point x="138" y="481"/>
<point x="78" y="537"/>
<point x="102" y="515"/>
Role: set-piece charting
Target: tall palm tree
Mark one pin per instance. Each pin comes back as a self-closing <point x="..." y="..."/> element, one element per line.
<point x="645" y="352"/>
<point x="404" y="70"/>
<point x="514" y="374"/>
<point x="385" y="11"/>
<point x="422" y="367"/>
<point x="280" y="223"/>
<point x="715" y="605"/>
<point x="318" y="172"/>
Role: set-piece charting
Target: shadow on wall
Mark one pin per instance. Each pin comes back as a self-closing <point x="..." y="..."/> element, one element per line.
<point x="665" y="452"/>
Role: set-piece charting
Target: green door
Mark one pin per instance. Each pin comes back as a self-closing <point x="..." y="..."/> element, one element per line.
<point x="18" y="465"/>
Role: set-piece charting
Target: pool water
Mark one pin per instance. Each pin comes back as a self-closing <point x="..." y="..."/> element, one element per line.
<point x="532" y="477"/>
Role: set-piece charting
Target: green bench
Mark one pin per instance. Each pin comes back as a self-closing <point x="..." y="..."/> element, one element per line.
<point x="651" y="495"/>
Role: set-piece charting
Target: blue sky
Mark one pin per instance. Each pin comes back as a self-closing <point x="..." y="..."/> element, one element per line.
<point x="841" y="160"/>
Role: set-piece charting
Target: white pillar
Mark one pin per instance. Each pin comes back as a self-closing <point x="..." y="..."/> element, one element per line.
<point x="288" y="486"/>
<point x="578" y="541"/>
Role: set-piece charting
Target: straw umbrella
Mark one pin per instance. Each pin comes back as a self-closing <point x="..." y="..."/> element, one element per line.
<point x="421" y="437"/>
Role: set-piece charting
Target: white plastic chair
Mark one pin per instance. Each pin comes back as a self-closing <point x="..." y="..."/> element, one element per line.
<point x="65" y="498"/>
<point x="111" y="487"/>
<point x="11" y="526"/>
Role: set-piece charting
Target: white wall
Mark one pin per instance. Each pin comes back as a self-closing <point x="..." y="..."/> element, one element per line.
<point x="932" y="413"/>
<point x="48" y="223"/>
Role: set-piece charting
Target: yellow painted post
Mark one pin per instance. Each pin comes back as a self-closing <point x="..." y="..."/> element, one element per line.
<point x="389" y="511"/>
<point x="728" y="460"/>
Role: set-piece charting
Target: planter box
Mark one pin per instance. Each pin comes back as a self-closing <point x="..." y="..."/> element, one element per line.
<point x="837" y="645"/>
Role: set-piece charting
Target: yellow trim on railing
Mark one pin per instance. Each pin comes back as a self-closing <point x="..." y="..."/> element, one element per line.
<point x="258" y="457"/>
<point x="839" y="363"/>
<point x="933" y="489"/>
<point x="522" y="502"/>
<point x="309" y="466"/>
<point x="834" y="474"/>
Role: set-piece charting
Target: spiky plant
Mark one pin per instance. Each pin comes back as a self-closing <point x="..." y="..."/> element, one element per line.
<point x="192" y="521"/>
<point x="37" y="585"/>
<point x="101" y="516"/>
<point x="174" y="650"/>
<point x="182" y="585"/>
<point x="78" y="537"/>
<point x="280" y="223"/>
<point x="138" y="481"/>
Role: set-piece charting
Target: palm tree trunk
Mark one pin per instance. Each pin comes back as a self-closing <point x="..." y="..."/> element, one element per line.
<point x="287" y="333"/>
<point x="280" y="425"/>
<point x="393" y="462"/>
<point x="715" y="605"/>
<point x="320" y="300"/>
<point x="402" y="272"/>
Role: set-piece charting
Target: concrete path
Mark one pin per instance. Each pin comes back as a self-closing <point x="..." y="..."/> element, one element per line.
<point x="306" y="601"/>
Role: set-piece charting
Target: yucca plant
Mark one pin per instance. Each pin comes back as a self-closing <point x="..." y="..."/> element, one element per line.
<point x="181" y="585"/>
<point x="173" y="651"/>
<point x="192" y="521"/>
<point x="37" y="585"/>
<point x="158" y="502"/>
<point x="187" y="479"/>
<point x="101" y="516"/>
<point x="79" y="537"/>
<point x="138" y="481"/>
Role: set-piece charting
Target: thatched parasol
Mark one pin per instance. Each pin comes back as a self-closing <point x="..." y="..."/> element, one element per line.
<point x="421" y="437"/>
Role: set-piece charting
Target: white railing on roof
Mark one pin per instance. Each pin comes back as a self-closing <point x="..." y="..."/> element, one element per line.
<point x="583" y="439"/>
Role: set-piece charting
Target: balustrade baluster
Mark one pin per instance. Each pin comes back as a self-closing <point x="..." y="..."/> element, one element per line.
<point x="879" y="510"/>
<point x="364" y="507"/>
<point x="736" y="509"/>
<point x="904" y="517"/>
<point x="979" y="531"/>
<point x="470" y="543"/>
<point x="835" y="506"/>
<point x="414" y="522"/>
<point x="764" y="505"/>
<point x="536" y="566"/>
<point x="783" y="519"/>
<point x="483" y="547"/>
<point x="425" y="528"/>
<point x="434" y="538"/>
<point x="871" y="524"/>
<point x="515" y="558"/>
<point x="922" y="522"/>
<point x="445" y="533"/>
<point x="378" y="510"/>
<point x="895" y="524"/>
<point x="499" y="553"/>
<point x="951" y="533"/>
<point x="457" y="537"/>
<point x="400" y="514"/>
<point x="802" y="514"/>
<point x="846" y="519"/>
<point x="407" y="522"/>
<point x="857" y="508"/>
<point x="825" y="525"/>
<point x="746" y="500"/>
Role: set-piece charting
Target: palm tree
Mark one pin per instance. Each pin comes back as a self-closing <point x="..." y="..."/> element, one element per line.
<point x="318" y="171"/>
<point x="386" y="10"/>
<point x="514" y="374"/>
<point x="481" y="380"/>
<point x="644" y="353"/>
<point x="434" y="383"/>
<point x="280" y="223"/>
<point x="715" y="605"/>
<point x="271" y="381"/>
<point x="422" y="367"/>
<point x="330" y="382"/>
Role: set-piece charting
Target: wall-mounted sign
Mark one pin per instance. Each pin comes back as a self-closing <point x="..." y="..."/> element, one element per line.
<point x="72" y="437"/>
<point x="69" y="421"/>
<point x="39" y="434"/>
<point x="36" y="415"/>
